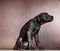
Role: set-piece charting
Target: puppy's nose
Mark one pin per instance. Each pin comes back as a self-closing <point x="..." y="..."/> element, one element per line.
<point x="52" y="17"/>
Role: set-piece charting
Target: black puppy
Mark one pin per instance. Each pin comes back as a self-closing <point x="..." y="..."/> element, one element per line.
<point x="30" y="30"/>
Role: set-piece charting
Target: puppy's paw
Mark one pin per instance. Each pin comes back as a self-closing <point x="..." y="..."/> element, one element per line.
<point x="27" y="48"/>
<point x="40" y="48"/>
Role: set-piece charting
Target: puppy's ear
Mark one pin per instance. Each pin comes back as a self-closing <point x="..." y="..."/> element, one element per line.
<point x="38" y="18"/>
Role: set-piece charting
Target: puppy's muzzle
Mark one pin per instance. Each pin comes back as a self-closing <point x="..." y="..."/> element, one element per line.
<point x="51" y="18"/>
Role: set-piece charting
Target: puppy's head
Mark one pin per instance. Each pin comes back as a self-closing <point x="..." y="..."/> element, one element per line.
<point x="45" y="17"/>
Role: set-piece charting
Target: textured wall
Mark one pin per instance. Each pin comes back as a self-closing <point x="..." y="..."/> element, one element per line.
<point x="15" y="13"/>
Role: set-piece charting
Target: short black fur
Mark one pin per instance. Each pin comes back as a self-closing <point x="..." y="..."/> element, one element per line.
<point x="30" y="30"/>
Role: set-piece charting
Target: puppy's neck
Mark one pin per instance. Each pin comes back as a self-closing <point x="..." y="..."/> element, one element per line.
<point x="36" y="19"/>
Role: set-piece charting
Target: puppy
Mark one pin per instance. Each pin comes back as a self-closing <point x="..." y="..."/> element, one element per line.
<point x="30" y="30"/>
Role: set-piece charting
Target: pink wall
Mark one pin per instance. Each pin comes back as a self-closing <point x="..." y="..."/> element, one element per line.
<point x="15" y="13"/>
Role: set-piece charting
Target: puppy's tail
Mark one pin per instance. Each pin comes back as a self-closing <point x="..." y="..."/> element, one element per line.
<point x="18" y="44"/>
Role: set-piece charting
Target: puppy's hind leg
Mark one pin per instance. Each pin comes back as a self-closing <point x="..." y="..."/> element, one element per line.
<point x="18" y="44"/>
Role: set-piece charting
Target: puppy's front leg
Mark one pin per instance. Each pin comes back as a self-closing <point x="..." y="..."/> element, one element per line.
<point x="37" y="41"/>
<point x="29" y="40"/>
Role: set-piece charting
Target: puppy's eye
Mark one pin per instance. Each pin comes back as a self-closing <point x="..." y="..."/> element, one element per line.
<point x="47" y="16"/>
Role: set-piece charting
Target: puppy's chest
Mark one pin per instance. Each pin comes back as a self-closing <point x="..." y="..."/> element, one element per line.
<point x="36" y="28"/>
